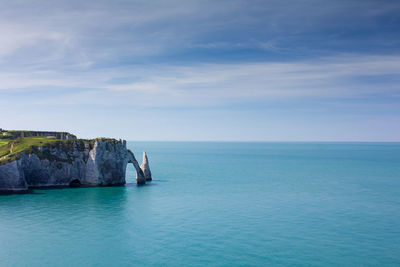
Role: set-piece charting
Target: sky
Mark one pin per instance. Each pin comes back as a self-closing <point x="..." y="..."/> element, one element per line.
<point x="186" y="70"/>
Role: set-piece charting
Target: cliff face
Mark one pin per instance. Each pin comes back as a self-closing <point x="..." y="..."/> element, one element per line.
<point x="99" y="162"/>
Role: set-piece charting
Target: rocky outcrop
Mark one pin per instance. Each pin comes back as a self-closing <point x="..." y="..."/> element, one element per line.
<point x="145" y="167"/>
<point x="99" y="162"/>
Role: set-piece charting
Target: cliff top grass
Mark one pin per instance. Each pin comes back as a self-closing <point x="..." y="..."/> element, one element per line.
<point x="3" y="142"/>
<point x="10" y="146"/>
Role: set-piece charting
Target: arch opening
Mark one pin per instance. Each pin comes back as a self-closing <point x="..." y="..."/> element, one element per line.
<point x="130" y="174"/>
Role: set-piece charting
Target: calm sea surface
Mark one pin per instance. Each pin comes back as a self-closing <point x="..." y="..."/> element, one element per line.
<point x="220" y="204"/>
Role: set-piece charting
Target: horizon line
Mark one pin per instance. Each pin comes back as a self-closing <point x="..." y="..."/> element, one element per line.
<point x="258" y="141"/>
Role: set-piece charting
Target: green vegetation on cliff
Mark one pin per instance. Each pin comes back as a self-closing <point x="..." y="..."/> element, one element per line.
<point x="9" y="148"/>
<point x="3" y="142"/>
<point x="11" y="144"/>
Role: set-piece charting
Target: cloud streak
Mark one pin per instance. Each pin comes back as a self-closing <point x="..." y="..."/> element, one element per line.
<point x="101" y="33"/>
<point x="325" y="77"/>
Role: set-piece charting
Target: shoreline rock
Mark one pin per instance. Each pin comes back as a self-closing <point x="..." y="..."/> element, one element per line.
<point x="72" y="163"/>
<point x="145" y="167"/>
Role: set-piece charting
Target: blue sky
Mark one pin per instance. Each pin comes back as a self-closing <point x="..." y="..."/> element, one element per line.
<point x="202" y="70"/>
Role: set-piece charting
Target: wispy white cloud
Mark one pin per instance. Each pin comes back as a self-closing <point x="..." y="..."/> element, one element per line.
<point x="55" y="35"/>
<point x="214" y="84"/>
<point x="16" y="37"/>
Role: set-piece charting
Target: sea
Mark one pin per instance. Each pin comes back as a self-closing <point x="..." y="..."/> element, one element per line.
<point x="220" y="204"/>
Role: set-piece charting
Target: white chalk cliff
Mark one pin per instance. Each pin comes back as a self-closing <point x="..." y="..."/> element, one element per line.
<point x="98" y="162"/>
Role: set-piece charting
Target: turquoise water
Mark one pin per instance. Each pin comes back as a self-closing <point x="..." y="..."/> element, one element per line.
<point x="220" y="204"/>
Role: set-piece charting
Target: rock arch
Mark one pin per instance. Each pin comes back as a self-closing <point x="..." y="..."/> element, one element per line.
<point x="140" y="178"/>
<point x="98" y="162"/>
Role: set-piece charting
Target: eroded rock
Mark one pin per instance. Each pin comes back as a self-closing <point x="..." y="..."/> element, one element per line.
<point x="145" y="167"/>
<point x="99" y="162"/>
